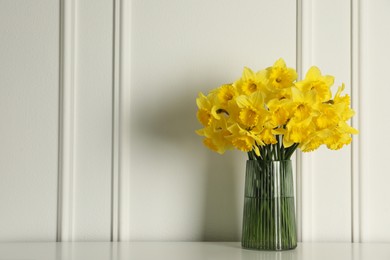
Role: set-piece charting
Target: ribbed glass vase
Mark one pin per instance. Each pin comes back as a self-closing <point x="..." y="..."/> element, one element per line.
<point x="269" y="212"/>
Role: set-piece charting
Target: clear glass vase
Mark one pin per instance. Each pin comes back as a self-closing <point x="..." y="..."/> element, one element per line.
<point x="269" y="212"/>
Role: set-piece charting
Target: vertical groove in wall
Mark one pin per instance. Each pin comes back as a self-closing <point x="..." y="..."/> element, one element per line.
<point x="355" y="82"/>
<point x="60" y="123"/>
<point x="304" y="161"/>
<point x="115" y="188"/>
<point x="124" y="115"/>
<point x="65" y="204"/>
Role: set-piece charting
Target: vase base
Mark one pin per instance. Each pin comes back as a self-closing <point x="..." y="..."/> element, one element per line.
<point x="267" y="249"/>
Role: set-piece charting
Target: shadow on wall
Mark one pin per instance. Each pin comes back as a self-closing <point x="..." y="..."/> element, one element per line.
<point x="222" y="214"/>
<point x="175" y="122"/>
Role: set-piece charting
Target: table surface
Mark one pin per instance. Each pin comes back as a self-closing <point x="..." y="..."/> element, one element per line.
<point x="188" y="251"/>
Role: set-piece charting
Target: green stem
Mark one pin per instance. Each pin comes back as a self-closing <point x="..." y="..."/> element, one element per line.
<point x="269" y="152"/>
<point x="291" y="150"/>
<point x="276" y="151"/>
<point x="250" y="155"/>
<point x="275" y="154"/>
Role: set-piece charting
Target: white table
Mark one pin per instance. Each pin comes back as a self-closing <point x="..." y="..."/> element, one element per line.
<point x="188" y="251"/>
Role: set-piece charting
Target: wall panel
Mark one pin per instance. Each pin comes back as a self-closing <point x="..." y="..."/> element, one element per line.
<point x="374" y="90"/>
<point x="178" y="189"/>
<point x="93" y="123"/>
<point x="324" y="176"/>
<point x="331" y="170"/>
<point x="29" y="99"/>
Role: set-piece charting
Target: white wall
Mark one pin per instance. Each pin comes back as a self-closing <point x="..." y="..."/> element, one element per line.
<point x="93" y="90"/>
<point x="29" y="75"/>
<point x="373" y="155"/>
<point x="98" y="109"/>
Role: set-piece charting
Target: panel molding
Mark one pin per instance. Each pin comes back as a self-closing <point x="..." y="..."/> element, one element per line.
<point x="65" y="207"/>
<point x="121" y="108"/>
<point x="355" y="96"/>
<point x="123" y="46"/>
<point x="304" y="161"/>
<point x="115" y="189"/>
<point x="66" y="171"/>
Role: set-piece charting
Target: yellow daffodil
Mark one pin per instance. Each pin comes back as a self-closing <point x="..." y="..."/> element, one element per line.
<point x="204" y="109"/>
<point x="269" y="115"/>
<point x="314" y="140"/>
<point x="305" y="104"/>
<point x="224" y="94"/>
<point x="216" y="136"/>
<point x="337" y="140"/>
<point x="267" y="136"/>
<point x="244" y="140"/>
<point x="328" y="116"/>
<point x="252" y="111"/>
<point x="316" y="83"/>
<point x="250" y="82"/>
<point x="341" y="135"/>
<point x="279" y="76"/>
<point x="280" y="111"/>
<point x="311" y="144"/>
<point x="298" y="131"/>
<point x="343" y="103"/>
<point x="344" y="127"/>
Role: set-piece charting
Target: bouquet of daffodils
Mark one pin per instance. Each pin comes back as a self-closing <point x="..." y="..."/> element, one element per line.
<point x="269" y="114"/>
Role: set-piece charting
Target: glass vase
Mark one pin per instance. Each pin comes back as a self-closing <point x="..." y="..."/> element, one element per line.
<point x="269" y="211"/>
